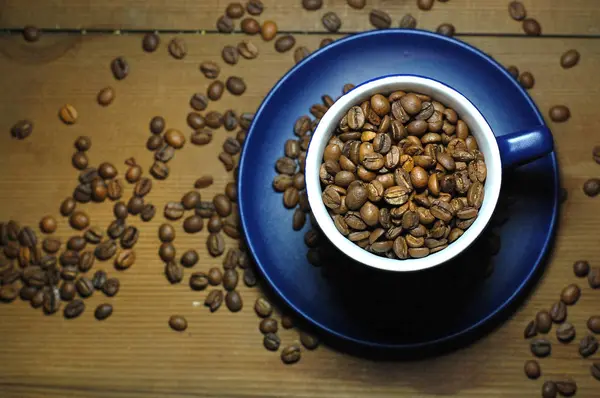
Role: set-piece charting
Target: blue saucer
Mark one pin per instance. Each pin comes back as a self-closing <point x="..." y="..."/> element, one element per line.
<point x="375" y="309"/>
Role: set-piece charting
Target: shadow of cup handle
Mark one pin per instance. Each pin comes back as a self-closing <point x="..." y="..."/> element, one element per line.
<point x="525" y="146"/>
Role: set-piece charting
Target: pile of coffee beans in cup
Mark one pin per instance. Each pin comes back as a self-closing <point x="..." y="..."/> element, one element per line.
<point x="402" y="175"/>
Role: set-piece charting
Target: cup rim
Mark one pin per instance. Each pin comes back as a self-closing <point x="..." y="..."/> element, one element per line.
<point x="313" y="185"/>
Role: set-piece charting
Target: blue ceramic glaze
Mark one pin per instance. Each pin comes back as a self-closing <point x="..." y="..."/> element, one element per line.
<point x="380" y="310"/>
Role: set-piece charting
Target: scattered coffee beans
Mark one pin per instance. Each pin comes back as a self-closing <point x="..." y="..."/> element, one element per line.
<point x="31" y="33"/>
<point x="558" y="312"/>
<point x="235" y="85"/>
<point x="285" y="43"/>
<point x="312" y="5"/>
<point x="380" y="19"/>
<point x="446" y="29"/>
<point x="250" y="26"/>
<point x="74" y="309"/>
<point x="425" y="5"/>
<point x="103" y="311"/>
<point x="234" y="10"/>
<point x="569" y="59"/>
<point x="271" y="341"/>
<point x="549" y="390"/>
<point x="408" y="22"/>
<point x="566" y="388"/>
<point x="214" y="299"/>
<point x="541" y="347"/>
<point x="357" y="4"/>
<point x="565" y="332"/>
<point x="290" y="354"/>
<point x="543" y="321"/>
<point x="581" y="268"/>
<point x="570" y="294"/>
<point x="309" y="341"/>
<point x="592" y="187"/>
<point x="48" y="225"/>
<point x="268" y="325"/>
<point x="254" y="7"/>
<point x="588" y="346"/>
<point x="233" y="300"/>
<point x="331" y="22"/>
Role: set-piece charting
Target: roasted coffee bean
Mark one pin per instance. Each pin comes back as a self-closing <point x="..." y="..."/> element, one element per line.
<point x="215" y="90"/>
<point x="111" y="287"/>
<point x="27" y="292"/>
<point x="250" y="279"/>
<point x="565" y="332"/>
<point x="290" y="354"/>
<point x="125" y="259"/>
<point x="231" y="191"/>
<point x="174" y="272"/>
<point x="588" y="346"/>
<point x="558" y="312"/>
<point x="215" y="276"/>
<point x="135" y="205"/>
<point x="116" y="229"/>
<point x="312" y="5"/>
<point x="268" y="325"/>
<point x="86" y="261"/>
<point x="527" y="80"/>
<point x="84" y="286"/>
<point x="74" y="309"/>
<point x="569" y="59"/>
<point x="287" y="322"/>
<point x="83" y="193"/>
<point x="250" y="26"/>
<point x="408" y="22"/>
<point x="268" y="30"/>
<point x="199" y="102"/>
<point x="143" y="187"/>
<point x="532" y="27"/>
<point x="68" y="291"/>
<point x="190" y="200"/>
<point x="106" y="250"/>
<point x="514" y="71"/>
<point x="178" y="323"/>
<point x="133" y="174"/>
<point x="517" y="11"/>
<point x="150" y="42"/>
<point x="103" y="311"/>
<point x="198" y="281"/>
<point x="215" y="244"/>
<point x="566" y="388"/>
<point x="105" y="96"/>
<point x="549" y="389"/>
<point x="254" y="7"/>
<point x="114" y="189"/>
<point x="235" y="85"/>
<point x="174" y="210"/>
<point x="425" y="5"/>
<point x="157" y="125"/>
<point x="543" y="321"/>
<point x="48" y="224"/>
<point x="22" y="129"/>
<point x="27" y="237"/>
<point x="201" y="137"/>
<point x="51" y="245"/>
<point x="225" y="24"/>
<point x="67" y="207"/>
<point x="532" y="369"/>
<point x="559" y="113"/>
<point x="263" y="308"/>
<point x="165" y="153"/>
<point x="214" y="299"/>
<point x="593" y="324"/>
<point x="68" y="114"/>
<point x="193" y="224"/>
<point x="570" y="294"/>
<point x="309" y="341"/>
<point x="271" y="341"/>
<point x="222" y="205"/>
<point x="99" y="279"/>
<point x="99" y="190"/>
<point x="541" y="347"/>
<point x="331" y="22"/>
<point x="446" y="29"/>
<point x="120" y="68"/>
<point x="592" y="187"/>
<point x="230" y="279"/>
<point x="195" y="120"/>
<point x="300" y="53"/>
<point x="166" y="233"/>
<point x="247" y="50"/>
<point x="230" y="121"/>
<point x="214" y="119"/>
<point x="595" y="370"/>
<point x="210" y="69"/>
<point x="285" y="43"/>
<point x="234" y="10"/>
<point x="31" y="33"/>
<point x="178" y="48"/>
<point x="233" y="300"/>
<point x="205" y="209"/>
<point x="380" y="19"/>
<point x="8" y="293"/>
<point x="120" y="211"/>
<point x="167" y="252"/>
<point x="154" y="142"/>
<point x="215" y="224"/>
<point x="159" y="170"/>
<point x="230" y="55"/>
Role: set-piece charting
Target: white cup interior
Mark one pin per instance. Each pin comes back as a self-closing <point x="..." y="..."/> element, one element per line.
<point x="479" y="128"/>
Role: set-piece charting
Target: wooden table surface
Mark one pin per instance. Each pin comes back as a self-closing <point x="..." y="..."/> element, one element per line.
<point x="134" y="353"/>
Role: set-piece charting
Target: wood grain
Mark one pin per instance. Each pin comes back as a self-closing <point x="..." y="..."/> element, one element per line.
<point x="134" y="353"/>
<point x="483" y="16"/>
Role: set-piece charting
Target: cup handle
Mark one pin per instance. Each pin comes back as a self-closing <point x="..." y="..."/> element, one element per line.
<point x="525" y="146"/>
